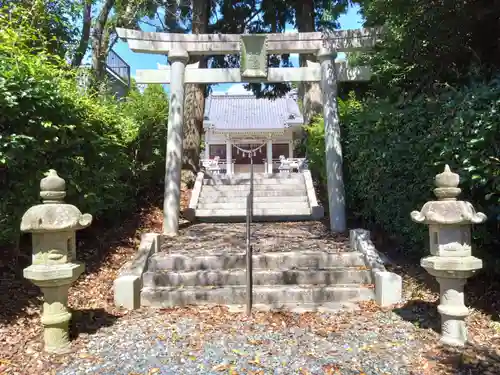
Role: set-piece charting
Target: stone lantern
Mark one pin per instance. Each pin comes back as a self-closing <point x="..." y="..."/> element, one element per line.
<point x="451" y="260"/>
<point x="53" y="226"/>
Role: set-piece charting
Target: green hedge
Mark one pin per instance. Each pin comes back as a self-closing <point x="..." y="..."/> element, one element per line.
<point x="150" y="110"/>
<point x="392" y="151"/>
<point x="46" y="121"/>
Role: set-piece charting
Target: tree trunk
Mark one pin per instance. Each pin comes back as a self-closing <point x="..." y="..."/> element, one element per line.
<point x="100" y="40"/>
<point x="84" y="40"/>
<point x="194" y="103"/>
<point x="309" y="92"/>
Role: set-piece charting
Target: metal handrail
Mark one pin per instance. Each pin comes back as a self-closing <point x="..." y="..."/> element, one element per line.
<point x="249" y="250"/>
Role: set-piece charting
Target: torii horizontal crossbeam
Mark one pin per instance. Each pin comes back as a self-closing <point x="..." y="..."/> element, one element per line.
<point x="209" y="76"/>
<point x="221" y="44"/>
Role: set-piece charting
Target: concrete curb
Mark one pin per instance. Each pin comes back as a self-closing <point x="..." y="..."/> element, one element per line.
<point x="190" y="212"/>
<point x="388" y="285"/>
<point x="317" y="211"/>
<point x="127" y="286"/>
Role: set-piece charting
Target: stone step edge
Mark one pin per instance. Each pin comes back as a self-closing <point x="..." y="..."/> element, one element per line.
<point x="256" y="211"/>
<point x="294" y="192"/>
<point x="237" y="276"/>
<point x="274" y="254"/>
<point x="219" y="217"/>
<point x="294" y="287"/>
<point x="218" y="260"/>
<point x="241" y="203"/>
<point x="256" y="175"/>
<point x="298" y="269"/>
<point x="234" y="206"/>
<point x="213" y="189"/>
<point x="242" y="200"/>
<point x="260" y="199"/>
<point x="290" y="183"/>
<point x="184" y="296"/>
<point x="256" y="180"/>
<point x="242" y="195"/>
<point x="298" y="308"/>
<point x="246" y="185"/>
<point x="264" y="187"/>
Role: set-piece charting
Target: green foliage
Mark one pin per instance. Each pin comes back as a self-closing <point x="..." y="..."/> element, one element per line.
<point x="392" y="153"/>
<point x="401" y="150"/>
<point x="54" y="21"/>
<point x="428" y="43"/>
<point x="314" y="145"/>
<point x="150" y="109"/>
<point x="47" y="121"/>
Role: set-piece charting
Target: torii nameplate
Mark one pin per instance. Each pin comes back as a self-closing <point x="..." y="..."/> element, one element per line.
<point x="253" y="58"/>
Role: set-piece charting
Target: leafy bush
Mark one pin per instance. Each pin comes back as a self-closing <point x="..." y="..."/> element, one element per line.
<point x="392" y="153"/>
<point x="150" y="110"/>
<point x="47" y="121"/>
<point x="314" y="147"/>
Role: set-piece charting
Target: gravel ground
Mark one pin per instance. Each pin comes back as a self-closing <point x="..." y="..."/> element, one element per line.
<point x="215" y="238"/>
<point x="212" y="341"/>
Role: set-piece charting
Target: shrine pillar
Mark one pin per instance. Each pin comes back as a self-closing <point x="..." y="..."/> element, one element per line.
<point x="333" y="149"/>
<point x="173" y="163"/>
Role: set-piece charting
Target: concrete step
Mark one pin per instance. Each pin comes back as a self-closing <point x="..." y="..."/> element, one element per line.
<point x="315" y="260"/>
<point x="272" y="296"/>
<point x="241" y="204"/>
<point x="256" y="199"/>
<point x="241" y="176"/>
<point x="256" y="219"/>
<point x="209" y="191"/>
<point x="257" y="181"/>
<point x="283" y="213"/>
<point x="276" y="187"/>
<point x="331" y="276"/>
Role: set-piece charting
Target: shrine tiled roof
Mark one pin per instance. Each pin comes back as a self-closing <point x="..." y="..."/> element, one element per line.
<point x="244" y="111"/>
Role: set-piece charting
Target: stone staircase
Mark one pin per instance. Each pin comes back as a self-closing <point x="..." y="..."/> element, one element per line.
<point x="305" y="280"/>
<point x="277" y="197"/>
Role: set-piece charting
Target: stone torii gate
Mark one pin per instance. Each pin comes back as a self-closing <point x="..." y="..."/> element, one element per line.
<point x="253" y="50"/>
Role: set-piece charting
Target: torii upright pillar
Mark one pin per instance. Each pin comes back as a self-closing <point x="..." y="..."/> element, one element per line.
<point x="333" y="148"/>
<point x="173" y="160"/>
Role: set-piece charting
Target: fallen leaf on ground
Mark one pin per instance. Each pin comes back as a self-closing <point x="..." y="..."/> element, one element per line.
<point x="221" y="367"/>
<point x="103" y="251"/>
